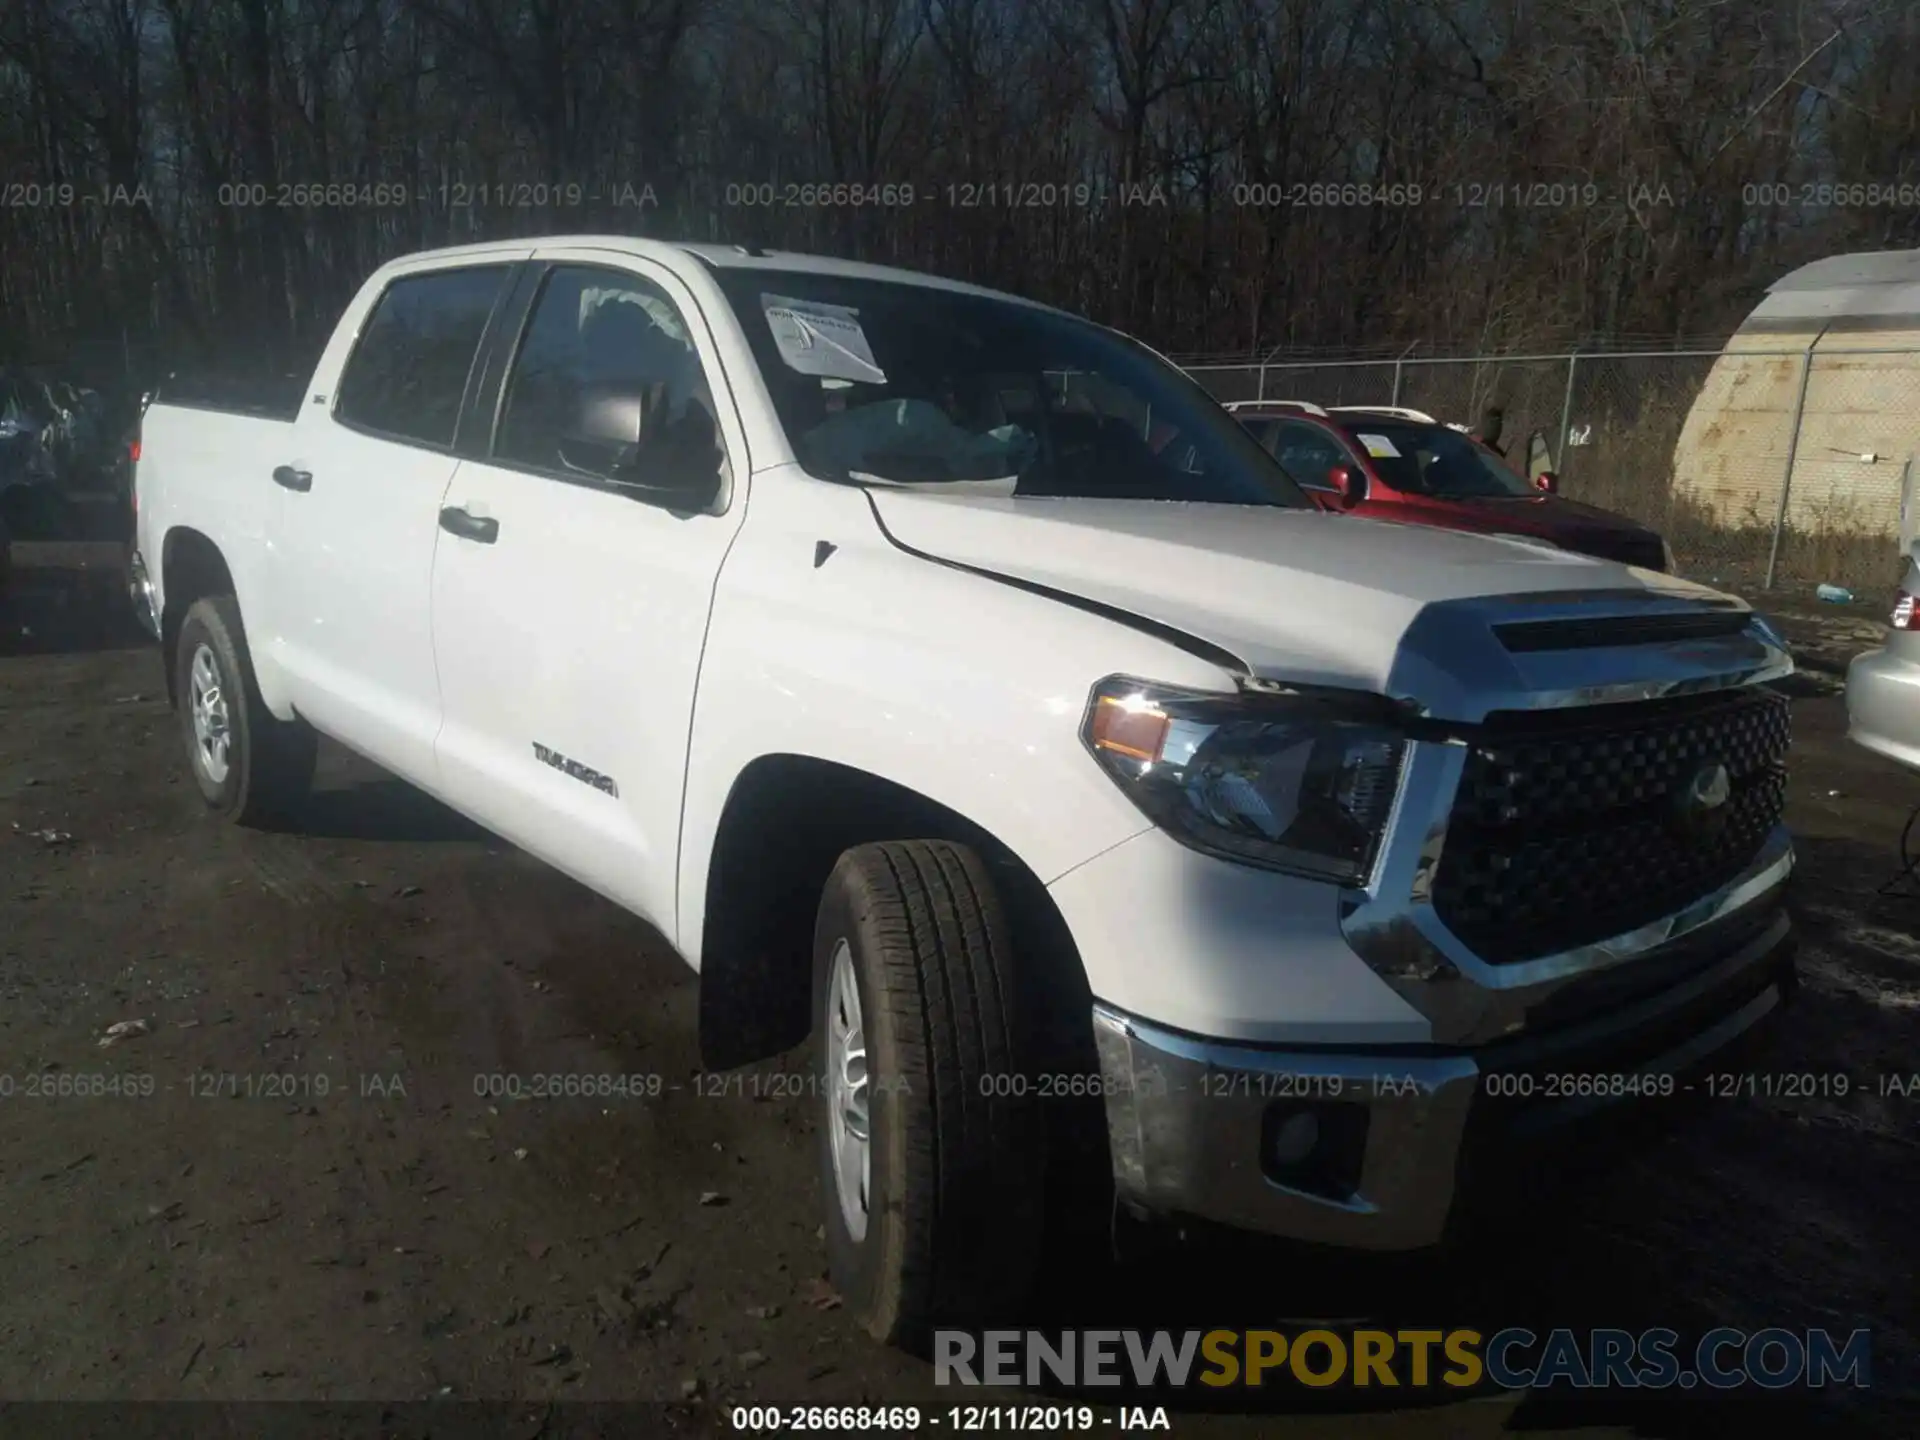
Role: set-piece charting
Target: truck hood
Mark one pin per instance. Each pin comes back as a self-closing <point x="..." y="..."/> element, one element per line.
<point x="1303" y="596"/>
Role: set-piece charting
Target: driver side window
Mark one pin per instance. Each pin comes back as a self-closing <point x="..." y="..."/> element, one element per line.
<point x="600" y="331"/>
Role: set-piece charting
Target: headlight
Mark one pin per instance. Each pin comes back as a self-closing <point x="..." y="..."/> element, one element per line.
<point x="1293" y="784"/>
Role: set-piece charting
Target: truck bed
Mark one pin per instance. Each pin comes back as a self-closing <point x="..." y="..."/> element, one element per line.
<point x="210" y="469"/>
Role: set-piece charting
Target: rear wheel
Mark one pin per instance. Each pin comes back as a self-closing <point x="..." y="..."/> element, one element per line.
<point x="930" y="1148"/>
<point x="250" y="767"/>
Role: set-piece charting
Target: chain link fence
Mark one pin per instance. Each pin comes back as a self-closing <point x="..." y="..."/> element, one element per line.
<point x="1766" y="468"/>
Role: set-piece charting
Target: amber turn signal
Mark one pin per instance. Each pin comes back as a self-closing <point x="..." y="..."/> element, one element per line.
<point x="1134" y="727"/>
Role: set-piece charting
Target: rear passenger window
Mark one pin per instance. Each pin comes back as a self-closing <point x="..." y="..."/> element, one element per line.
<point x="408" y="372"/>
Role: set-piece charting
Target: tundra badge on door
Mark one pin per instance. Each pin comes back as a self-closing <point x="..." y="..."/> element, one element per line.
<point x="602" y="783"/>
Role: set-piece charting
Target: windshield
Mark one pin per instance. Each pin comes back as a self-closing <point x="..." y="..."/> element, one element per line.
<point x="885" y="382"/>
<point x="1433" y="460"/>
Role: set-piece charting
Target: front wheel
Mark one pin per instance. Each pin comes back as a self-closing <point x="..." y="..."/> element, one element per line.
<point x="930" y="1147"/>
<point x="249" y="765"/>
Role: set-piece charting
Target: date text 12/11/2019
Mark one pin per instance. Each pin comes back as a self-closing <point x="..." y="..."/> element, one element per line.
<point x="958" y="195"/>
<point x="962" y="1419"/>
<point x="1573" y="1085"/>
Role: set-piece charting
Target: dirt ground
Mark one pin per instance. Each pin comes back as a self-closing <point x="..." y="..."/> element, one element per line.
<point x="318" y="1202"/>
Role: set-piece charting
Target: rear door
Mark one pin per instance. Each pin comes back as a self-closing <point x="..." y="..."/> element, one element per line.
<point x="569" y="613"/>
<point x="352" y="550"/>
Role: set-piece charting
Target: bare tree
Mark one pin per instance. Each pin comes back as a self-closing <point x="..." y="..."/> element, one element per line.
<point x="1217" y="174"/>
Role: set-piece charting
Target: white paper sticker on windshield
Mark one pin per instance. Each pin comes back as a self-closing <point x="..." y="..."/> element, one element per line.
<point x="823" y="340"/>
<point x="1379" y="447"/>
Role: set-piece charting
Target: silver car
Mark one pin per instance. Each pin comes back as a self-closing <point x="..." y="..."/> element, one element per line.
<point x="1883" y="686"/>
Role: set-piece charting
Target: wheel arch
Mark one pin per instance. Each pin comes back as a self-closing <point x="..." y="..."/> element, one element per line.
<point x="786" y="821"/>
<point x="192" y="567"/>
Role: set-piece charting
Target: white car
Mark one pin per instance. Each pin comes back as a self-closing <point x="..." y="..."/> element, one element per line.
<point x="952" y="679"/>
<point x="1883" y="685"/>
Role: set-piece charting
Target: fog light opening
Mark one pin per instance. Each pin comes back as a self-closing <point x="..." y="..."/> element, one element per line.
<point x="1316" y="1148"/>
<point x="1294" y="1139"/>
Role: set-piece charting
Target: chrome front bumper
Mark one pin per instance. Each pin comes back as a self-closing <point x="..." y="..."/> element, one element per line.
<point x="1304" y="1127"/>
<point x="1193" y="1123"/>
<point x="146" y="605"/>
<point x="1883" y="705"/>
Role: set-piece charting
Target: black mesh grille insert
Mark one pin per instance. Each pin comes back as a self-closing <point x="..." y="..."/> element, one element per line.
<point x="1570" y="827"/>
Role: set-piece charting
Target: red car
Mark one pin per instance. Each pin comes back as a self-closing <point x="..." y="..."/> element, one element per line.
<point x="1396" y="464"/>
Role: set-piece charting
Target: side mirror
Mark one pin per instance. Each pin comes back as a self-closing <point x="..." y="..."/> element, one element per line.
<point x="608" y="424"/>
<point x="1348" y="486"/>
<point x="1540" y="461"/>
<point x="1548" y="481"/>
<point x="623" y="433"/>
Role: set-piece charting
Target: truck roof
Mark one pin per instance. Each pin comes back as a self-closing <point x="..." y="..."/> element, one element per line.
<point x="719" y="257"/>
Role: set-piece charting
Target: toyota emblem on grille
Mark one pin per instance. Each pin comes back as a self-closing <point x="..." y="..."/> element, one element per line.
<point x="1702" y="802"/>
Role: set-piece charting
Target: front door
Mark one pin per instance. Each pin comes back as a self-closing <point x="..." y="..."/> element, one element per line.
<point x="569" y="613"/>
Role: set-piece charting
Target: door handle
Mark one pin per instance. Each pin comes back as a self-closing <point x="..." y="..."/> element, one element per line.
<point x="292" y="479"/>
<point x="456" y="521"/>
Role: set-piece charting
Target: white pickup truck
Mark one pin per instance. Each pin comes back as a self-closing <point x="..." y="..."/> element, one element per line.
<point x="952" y="680"/>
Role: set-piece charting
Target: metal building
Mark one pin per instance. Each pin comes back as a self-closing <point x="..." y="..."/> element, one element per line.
<point x="1820" y="386"/>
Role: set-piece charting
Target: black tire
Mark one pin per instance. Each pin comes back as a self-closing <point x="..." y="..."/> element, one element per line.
<point x="956" y="1198"/>
<point x="269" y="762"/>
